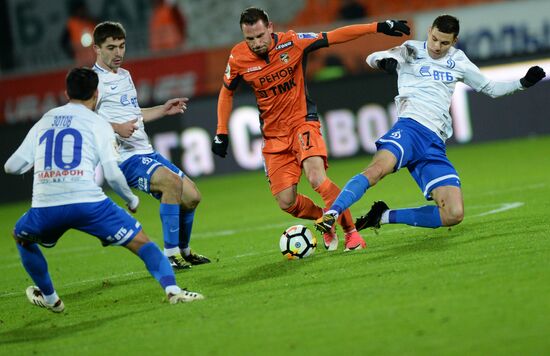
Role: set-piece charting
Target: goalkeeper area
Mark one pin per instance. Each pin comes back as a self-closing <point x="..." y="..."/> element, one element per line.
<point x="479" y="288"/>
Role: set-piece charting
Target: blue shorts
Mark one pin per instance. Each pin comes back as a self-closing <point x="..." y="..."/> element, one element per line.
<point x="139" y="169"/>
<point x="104" y="220"/>
<point x="422" y="152"/>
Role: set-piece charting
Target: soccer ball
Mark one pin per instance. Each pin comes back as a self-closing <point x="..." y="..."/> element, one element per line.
<point x="297" y="242"/>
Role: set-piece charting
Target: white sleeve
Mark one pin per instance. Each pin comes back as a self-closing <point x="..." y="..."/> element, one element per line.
<point x="108" y="157"/>
<point x="117" y="181"/>
<point x="479" y="82"/>
<point x="22" y="160"/>
<point x="397" y="53"/>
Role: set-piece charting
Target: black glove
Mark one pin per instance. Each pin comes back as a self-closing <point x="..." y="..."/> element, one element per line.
<point x="393" y="28"/>
<point x="389" y="65"/>
<point x="533" y="76"/>
<point x="219" y="145"/>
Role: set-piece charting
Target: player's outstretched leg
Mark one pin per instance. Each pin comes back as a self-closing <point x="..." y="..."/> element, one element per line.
<point x="36" y="297"/>
<point x="373" y="217"/>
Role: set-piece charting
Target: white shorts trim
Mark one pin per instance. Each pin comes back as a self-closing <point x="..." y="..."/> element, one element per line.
<point x="400" y="149"/>
<point x="437" y="180"/>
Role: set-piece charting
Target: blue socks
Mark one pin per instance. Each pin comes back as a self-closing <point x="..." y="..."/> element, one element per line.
<point x="170" y="217"/>
<point x="186" y="225"/>
<point x="424" y="216"/>
<point x="157" y="264"/>
<point x="354" y="189"/>
<point x="36" y="266"/>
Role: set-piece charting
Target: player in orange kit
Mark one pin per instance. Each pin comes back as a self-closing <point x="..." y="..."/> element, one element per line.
<point x="273" y="64"/>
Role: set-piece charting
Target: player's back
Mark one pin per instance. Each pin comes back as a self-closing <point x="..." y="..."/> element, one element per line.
<point x="66" y="145"/>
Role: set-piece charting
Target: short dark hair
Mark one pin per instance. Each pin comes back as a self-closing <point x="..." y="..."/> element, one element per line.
<point x="251" y="15"/>
<point x="447" y="24"/>
<point x="108" y="29"/>
<point x="81" y="83"/>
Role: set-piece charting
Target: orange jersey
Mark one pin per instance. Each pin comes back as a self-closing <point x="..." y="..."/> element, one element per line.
<point x="278" y="79"/>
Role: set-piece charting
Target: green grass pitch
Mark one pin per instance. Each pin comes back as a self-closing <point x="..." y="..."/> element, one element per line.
<point x="480" y="288"/>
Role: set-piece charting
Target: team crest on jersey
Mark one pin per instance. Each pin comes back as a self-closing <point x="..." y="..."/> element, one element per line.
<point x="303" y="35"/>
<point x="284" y="45"/>
<point x="396" y="134"/>
<point x="450" y="63"/>
<point x="284" y="57"/>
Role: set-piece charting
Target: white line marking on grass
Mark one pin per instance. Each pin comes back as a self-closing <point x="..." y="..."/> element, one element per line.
<point x="504" y="207"/>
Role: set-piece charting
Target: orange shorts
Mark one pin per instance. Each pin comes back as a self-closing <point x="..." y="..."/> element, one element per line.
<point x="283" y="156"/>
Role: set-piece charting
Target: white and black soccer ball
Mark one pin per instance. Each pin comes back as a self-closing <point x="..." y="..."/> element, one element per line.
<point x="297" y="242"/>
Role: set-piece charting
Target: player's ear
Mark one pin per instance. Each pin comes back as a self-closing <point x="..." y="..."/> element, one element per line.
<point x="66" y="95"/>
<point x="270" y="26"/>
<point x="96" y="49"/>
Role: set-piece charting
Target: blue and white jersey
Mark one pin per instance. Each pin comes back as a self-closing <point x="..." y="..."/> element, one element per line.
<point x="117" y="103"/>
<point x="65" y="146"/>
<point x="426" y="85"/>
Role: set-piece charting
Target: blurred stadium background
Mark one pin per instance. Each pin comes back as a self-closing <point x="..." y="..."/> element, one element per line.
<point x="39" y="45"/>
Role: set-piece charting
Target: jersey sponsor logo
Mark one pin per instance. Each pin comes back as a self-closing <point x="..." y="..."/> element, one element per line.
<point x="425" y="71"/>
<point x="284" y="45"/>
<point x="277" y="89"/>
<point x="125" y="102"/>
<point x="253" y="69"/>
<point x="284" y="57"/>
<point x="436" y="74"/>
<point x="304" y="35"/>
<point x="273" y="77"/>
<point x="227" y="71"/>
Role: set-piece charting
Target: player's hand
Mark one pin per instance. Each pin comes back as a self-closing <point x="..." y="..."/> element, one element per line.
<point x="389" y="65"/>
<point x="394" y="28"/>
<point x="175" y="106"/>
<point x="126" y="129"/>
<point x="533" y="76"/>
<point x="133" y="204"/>
<point x="219" y="145"/>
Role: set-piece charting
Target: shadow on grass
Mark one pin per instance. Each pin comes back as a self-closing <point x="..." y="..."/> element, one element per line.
<point x="46" y="329"/>
<point x="267" y="271"/>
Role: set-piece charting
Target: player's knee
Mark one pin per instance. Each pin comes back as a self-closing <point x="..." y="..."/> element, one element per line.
<point x="453" y="215"/>
<point x="190" y="200"/>
<point x="172" y="188"/>
<point x="286" y="202"/>
<point x="316" y="178"/>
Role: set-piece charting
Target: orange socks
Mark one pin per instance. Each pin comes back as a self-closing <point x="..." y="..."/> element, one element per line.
<point x="305" y="208"/>
<point x="329" y="192"/>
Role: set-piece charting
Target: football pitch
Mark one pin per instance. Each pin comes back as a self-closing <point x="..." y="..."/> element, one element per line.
<point x="479" y="288"/>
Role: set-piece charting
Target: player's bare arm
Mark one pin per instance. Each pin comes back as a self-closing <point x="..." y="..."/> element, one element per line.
<point x="171" y="107"/>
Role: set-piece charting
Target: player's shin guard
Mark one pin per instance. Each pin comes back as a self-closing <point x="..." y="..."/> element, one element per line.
<point x="36" y="266"/>
<point x="424" y="216"/>
<point x="186" y="225"/>
<point x="170" y="217"/>
<point x="354" y="189"/>
<point x="305" y="208"/>
<point x="157" y="264"/>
